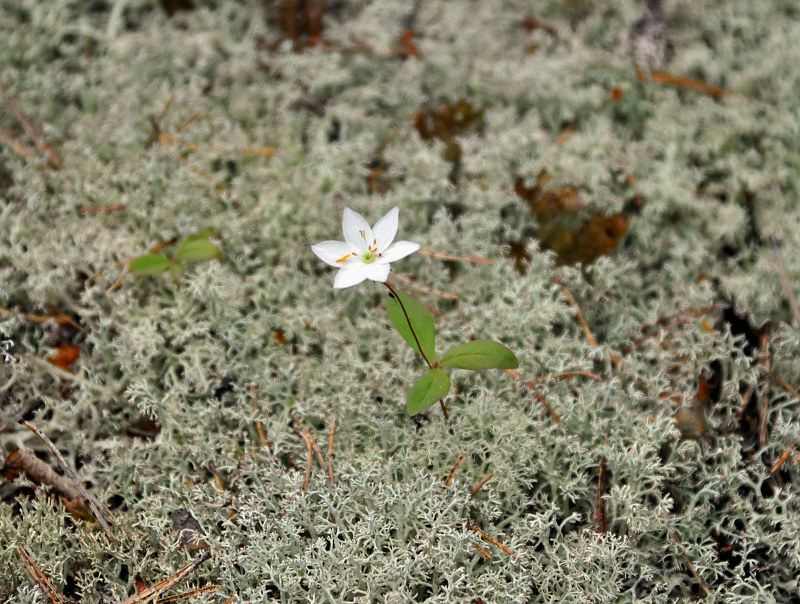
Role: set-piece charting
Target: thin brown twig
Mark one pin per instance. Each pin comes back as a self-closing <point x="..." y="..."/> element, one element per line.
<point x="37" y="574"/>
<point x="150" y="594"/>
<point x="309" y="460"/>
<point x="44" y="147"/>
<point x="100" y="511"/>
<point x="689" y="564"/>
<point x="491" y="540"/>
<point x="784" y="456"/>
<point x="315" y="448"/>
<point x="786" y="385"/>
<point x="425" y="289"/>
<point x="449" y="480"/>
<point x="480" y="484"/>
<point x="784" y="277"/>
<point x="532" y="389"/>
<point x="569" y="374"/>
<point x="259" y="424"/>
<point x="746" y="400"/>
<point x="100" y="209"/>
<point x="579" y="315"/>
<point x="59" y="318"/>
<point x="687" y="316"/>
<point x="483" y="551"/>
<point x="206" y="589"/>
<point x="217" y="479"/>
<point x="454" y="257"/>
<point x="684" y="82"/>
<point x="7" y="138"/>
<point x="329" y="456"/>
<point x="600" y="513"/>
<point x="763" y="436"/>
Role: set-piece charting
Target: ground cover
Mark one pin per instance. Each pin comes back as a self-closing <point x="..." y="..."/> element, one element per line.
<point x="608" y="190"/>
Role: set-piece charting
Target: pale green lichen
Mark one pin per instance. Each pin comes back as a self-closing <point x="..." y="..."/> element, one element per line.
<point x="716" y="177"/>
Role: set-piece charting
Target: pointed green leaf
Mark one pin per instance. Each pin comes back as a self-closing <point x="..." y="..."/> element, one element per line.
<point x="430" y="388"/>
<point x="481" y="354"/>
<point x="421" y="320"/>
<point x="197" y="248"/>
<point x="149" y="264"/>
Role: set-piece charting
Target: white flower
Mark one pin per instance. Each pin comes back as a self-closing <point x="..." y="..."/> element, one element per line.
<point x="366" y="252"/>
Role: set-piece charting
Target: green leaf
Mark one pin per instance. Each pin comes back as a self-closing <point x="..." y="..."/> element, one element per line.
<point x="430" y="388"/>
<point x="481" y="354"/>
<point x="197" y="248"/>
<point x="421" y="320"/>
<point x="176" y="269"/>
<point x="149" y="264"/>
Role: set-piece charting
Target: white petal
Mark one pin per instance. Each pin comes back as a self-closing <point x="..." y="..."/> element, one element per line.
<point x="376" y="272"/>
<point x="386" y="228"/>
<point x="398" y="250"/>
<point x="356" y="230"/>
<point x="334" y="253"/>
<point x="349" y="276"/>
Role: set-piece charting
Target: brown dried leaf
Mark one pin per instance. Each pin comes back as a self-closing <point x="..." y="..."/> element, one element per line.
<point x="300" y="21"/>
<point x="549" y="203"/>
<point x="65" y="356"/>
<point x="446" y="121"/>
<point x="556" y="210"/>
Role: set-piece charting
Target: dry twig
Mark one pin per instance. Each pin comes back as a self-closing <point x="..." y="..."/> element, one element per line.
<point x="40" y="578"/>
<point x="151" y="594"/>
<point x="689" y="564"/>
<point x="787" y="285"/>
<point x="454" y="257"/>
<point x="532" y="389"/>
<point x="784" y="456"/>
<point x="329" y="457"/>
<point x="584" y="325"/>
<point x="100" y="511"/>
<point x="480" y="484"/>
<point x="449" y="479"/>
<point x="491" y="540"/>
<point x="763" y="436"/>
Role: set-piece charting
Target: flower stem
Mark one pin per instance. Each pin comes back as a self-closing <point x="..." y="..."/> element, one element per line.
<point x="410" y="326"/>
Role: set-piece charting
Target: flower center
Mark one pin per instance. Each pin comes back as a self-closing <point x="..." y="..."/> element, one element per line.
<point x="368" y="257"/>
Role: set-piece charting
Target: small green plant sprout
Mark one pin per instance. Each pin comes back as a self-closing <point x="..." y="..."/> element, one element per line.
<point x="192" y="249"/>
<point x="367" y="253"/>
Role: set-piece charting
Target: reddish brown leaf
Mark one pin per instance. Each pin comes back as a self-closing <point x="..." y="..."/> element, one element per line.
<point x="65" y="356"/>
<point x="556" y="210"/>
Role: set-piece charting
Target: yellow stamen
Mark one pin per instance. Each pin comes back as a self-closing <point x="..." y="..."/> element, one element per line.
<point x="343" y="258"/>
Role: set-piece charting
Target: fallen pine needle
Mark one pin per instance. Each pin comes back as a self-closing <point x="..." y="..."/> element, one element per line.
<point x="449" y="479"/>
<point x="491" y="540"/>
<point x="150" y="594"/>
<point x="455" y="258"/>
<point x="480" y="484"/>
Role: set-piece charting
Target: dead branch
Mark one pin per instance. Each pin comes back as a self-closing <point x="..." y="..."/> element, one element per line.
<point x="100" y="511"/>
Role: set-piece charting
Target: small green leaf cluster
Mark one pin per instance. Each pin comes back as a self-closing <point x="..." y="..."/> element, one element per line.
<point x="415" y="324"/>
<point x="192" y="249"/>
